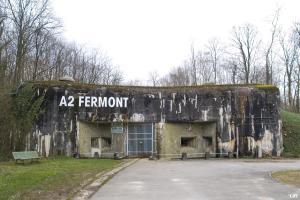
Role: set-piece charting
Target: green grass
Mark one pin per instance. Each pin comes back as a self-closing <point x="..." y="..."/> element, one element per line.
<point x="291" y="134"/>
<point x="291" y="177"/>
<point x="52" y="178"/>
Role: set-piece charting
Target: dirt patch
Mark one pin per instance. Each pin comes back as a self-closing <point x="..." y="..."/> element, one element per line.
<point x="291" y="177"/>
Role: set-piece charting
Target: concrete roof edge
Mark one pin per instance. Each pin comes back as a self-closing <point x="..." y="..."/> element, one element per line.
<point x="208" y="86"/>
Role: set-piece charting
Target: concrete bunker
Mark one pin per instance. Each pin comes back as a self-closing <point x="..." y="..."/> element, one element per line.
<point x="162" y="121"/>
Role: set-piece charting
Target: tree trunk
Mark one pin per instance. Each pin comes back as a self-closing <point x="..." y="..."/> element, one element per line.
<point x="290" y="98"/>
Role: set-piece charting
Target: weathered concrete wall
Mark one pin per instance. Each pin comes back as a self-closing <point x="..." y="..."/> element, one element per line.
<point x="246" y="116"/>
<point x="91" y="130"/>
<point x="171" y="134"/>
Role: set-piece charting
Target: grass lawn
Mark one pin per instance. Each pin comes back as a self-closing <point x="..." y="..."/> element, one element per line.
<point x="291" y="177"/>
<point x="291" y="133"/>
<point x="52" y="178"/>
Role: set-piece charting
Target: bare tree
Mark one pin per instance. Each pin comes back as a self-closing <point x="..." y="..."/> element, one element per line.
<point x="215" y="51"/>
<point x="192" y="62"/>
<point x="245" y="40"/>
<point x="4" y="42"/>
<point x="135" y="82"/>
<point x="39" y="46"/>
<point x="269" y="49"/>
<point x="297" y="78"/>
<point x="154" y="78"/>
<point x="289" y="47"/>
<point x="203" y="67"/>
<point x="297" y="30"/>
<point x="231" y="67"/>
<point x="178" y="76"/>
<point x="297" y="69"/>
<point x="27" y="17"/>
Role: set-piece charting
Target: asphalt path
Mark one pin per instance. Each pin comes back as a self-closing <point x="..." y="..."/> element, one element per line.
<point x="200" y="179"/>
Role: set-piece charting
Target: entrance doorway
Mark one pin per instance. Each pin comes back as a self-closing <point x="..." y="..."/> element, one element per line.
<point x="140" y="139"/>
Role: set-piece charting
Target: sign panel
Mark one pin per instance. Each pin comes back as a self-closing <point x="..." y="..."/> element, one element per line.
<point x="116" y="127"/>
<point x="94" y="102"/>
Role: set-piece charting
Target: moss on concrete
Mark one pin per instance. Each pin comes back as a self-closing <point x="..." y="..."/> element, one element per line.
<point x="77" y="85"/>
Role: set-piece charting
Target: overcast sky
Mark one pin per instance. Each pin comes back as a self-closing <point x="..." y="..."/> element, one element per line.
<point x="146" y="35"/>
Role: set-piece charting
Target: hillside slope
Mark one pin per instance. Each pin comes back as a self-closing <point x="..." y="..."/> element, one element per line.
<point x="291" y="133"/>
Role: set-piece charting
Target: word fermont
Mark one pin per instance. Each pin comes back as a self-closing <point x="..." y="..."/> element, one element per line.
<point x="92" y="101"/>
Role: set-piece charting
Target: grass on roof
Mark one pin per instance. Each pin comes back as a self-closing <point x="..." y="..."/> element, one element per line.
<point x="78" y="85"/>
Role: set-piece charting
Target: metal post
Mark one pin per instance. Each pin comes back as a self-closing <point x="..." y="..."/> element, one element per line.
<point x="152" y="139"/>
<point x="237" y="142"/>
<point x="127" y="140"/>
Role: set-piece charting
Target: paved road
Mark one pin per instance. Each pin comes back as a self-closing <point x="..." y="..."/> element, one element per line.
<point x="199" y="179"/>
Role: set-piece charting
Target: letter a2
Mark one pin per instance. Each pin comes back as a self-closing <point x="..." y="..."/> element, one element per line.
<point x="63" y="101"/>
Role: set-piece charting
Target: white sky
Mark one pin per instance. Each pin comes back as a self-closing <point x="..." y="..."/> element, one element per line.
<point x="146" y="35"/>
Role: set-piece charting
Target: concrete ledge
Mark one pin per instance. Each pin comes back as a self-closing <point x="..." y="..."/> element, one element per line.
<point x="90" y="189"/>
